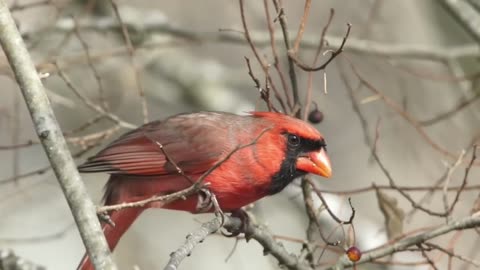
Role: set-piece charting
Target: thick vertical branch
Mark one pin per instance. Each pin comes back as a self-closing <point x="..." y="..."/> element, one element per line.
<point x="53" y="141"/>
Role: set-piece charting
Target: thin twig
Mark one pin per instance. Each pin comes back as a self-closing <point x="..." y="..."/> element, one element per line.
<point x="424" y="254"/>
<point x="286" y="39"/>
<point x="262" y="39"/>
<point x="90" y="103"/>
<point x="131" y="53"/>
<point x="312" y="212"/>
<point x="264" y="93"/>
<point x="301" y="27"/>
<point x="257" y="56"/>
<point x="398" y="109"/>
<point x="292" y="55"/>
<point x="276" y="62"/>
<point x="324" y="202"/>
<point x="451" y="112"/>
<point x="451" y="253"/>
<point x="308" y="95"/>
<point x="93" y="68"/>
<point x="448" y="179"/>
<point x="465" y="179"/>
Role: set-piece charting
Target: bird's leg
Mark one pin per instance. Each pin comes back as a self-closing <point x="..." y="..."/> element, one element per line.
<point x="243" y="228"/>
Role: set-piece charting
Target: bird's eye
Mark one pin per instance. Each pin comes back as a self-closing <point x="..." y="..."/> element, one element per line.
<point x="293" y="140"/>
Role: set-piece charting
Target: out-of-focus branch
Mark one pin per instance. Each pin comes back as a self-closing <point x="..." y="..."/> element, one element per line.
<point x="53" y="141"/>
<point x="262" y="39"/>
<point x="10" y="261"/>
<point x="467" y="15"/>
<point x="90" y="103"/>
<point x="462" y="224"/>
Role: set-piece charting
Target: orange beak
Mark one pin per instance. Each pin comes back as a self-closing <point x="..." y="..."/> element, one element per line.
<point x="316" y="163"/>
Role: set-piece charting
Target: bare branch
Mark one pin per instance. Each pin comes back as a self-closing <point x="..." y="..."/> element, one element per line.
<point x="262" y="39"/>
<point x="257" y="56"/>
<point x="90" y="103"/>
<point x="286" y="39"/>
<point x="333" y="54"/>
<point x="53" y="142"/>
<point x="461" y="224"/>
<point x="133" y="62"/>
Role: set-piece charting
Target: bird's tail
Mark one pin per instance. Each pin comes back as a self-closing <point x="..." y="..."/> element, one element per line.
<point x="123" y="219"/>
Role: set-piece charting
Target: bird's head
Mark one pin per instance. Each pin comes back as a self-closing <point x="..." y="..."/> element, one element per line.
<point x="304" y="147"/>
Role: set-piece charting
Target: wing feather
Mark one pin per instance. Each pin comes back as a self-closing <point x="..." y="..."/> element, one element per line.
<point x="191" y="142"/>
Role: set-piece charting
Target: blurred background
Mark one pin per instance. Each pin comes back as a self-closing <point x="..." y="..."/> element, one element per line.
<point x="188" y="56"/>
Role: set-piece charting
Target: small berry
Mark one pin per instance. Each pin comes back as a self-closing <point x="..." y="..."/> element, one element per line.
<point x="315" y="116"/>
<point x="354" y="254"/>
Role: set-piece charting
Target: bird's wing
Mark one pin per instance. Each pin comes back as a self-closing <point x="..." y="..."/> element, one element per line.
<point x="192" y="143"/>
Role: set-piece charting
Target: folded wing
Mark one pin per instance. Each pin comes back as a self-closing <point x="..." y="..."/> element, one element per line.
<point x="190" y="142"/>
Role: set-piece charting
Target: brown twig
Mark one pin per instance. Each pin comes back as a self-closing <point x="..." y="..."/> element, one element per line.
<point x="324" y="202"/>
<point x="308" y="95"/>
<point x="264" y="93"/>
<point x="448" y="179"/>
<point x="90" y="103"/>
<point x="333" y="54"/>
<point x="312" y="212"/>
<point x="131" y="53"/>
<point x="276" y="62"/>
<point x="170" y="159"/>
<point x="404" y="188"/>
<point x="301" y="27"/>
<point x="424" y="254"/>
<point x="398" y="109"/>
<point x="452" y="254"/>
<point x="257" y="56"/>
<point x="286" y="38"/>
<point x="451" y="112"/>
<point x="93" y="68"/>
<point x="465" y="179"/>
<point x="402" y="192"/>
<point x="19" y="145"/>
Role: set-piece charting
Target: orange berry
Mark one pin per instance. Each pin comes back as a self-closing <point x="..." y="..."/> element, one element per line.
<point x="354" y="254"/>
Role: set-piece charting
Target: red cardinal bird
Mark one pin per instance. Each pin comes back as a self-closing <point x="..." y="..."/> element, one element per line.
<point x="282" y="148"/>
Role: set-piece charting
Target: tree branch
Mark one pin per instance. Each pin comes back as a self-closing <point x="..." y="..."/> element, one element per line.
<point x="51" y="137"/>
<point x="255" y="231"/>
<point x="462" y="224"/>
<point x="262" y="39"/>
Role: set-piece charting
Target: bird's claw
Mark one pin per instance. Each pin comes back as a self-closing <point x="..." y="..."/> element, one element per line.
<point x="207" y="201"/>
<point x="204" y="201"/>
<point x="243" y="228"/>
<point x="105" y="217"/>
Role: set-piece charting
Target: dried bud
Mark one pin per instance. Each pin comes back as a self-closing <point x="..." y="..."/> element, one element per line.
<point x="354" y="254"/>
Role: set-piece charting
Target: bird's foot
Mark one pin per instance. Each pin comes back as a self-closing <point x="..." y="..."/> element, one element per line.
<point x="244" y="218"/>
<point x="207" y="201"/>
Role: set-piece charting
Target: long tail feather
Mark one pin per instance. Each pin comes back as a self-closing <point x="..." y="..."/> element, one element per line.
<point x="123" y="219"/>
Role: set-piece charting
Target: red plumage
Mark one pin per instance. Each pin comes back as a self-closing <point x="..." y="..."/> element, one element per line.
<point x="196" y="142"/>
